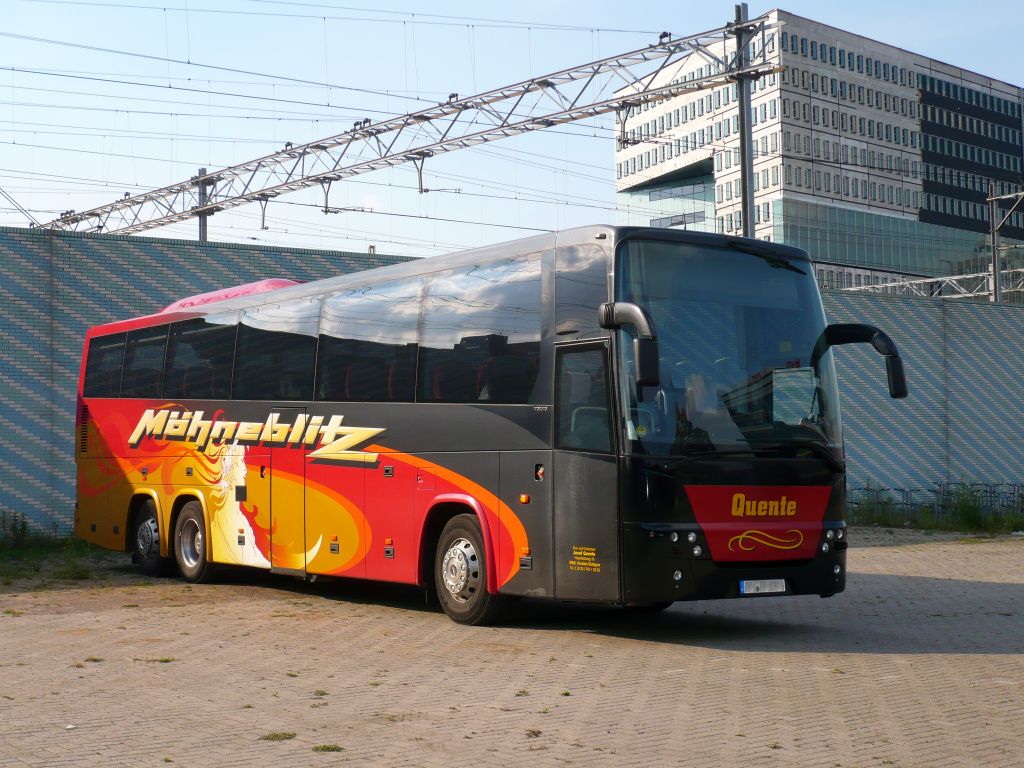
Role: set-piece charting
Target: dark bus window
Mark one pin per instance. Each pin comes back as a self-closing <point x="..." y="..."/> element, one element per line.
<point x="368" y="343"/>
<point x="582" y="421"/>
<point x="271" y="365"/>
<point x="481" y="333"/>
<point x="144" y="362"/>
<point x="276" y="351"/>
<point x="199" y="358"/>
<point x="103" y="366"/>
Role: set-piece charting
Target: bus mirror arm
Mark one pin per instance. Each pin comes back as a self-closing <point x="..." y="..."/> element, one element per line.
<point x="615" y="314"/>
<point x="860" y="333"/>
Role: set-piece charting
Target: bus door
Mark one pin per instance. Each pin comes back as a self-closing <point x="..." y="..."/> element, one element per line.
<point x="287" y="499"/>
<point x="337" y="535"/>
<point x="585" y="479"/>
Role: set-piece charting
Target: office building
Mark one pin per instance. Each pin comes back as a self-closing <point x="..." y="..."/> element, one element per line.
<point x="876" y="160"/>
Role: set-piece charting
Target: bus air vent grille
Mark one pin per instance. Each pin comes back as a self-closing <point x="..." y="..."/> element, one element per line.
<point x="83" y="430"/>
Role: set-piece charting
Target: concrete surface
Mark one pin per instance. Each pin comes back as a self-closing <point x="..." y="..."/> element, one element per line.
<point x="918" y="663"/>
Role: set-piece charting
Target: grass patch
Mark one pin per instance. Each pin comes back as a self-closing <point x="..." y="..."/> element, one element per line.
<point x="328" y="748"/>
<point x="964" y="510"/>
<point x="277" y="736"/>
<point x="26" y="554"/>
<point x="12" y="612"/>
<point x="320" y="692"/>
<point x="94" y="659"/>
<point x="159" y="660"/>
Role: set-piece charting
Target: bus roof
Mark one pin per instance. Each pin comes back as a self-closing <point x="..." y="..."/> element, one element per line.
<point x="268" y="292"/>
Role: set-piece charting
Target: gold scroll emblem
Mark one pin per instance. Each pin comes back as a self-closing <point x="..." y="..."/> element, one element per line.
<point x="748" y="540"/>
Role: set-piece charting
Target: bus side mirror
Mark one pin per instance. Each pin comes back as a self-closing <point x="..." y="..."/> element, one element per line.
<point x="615" y="314"/>
<point x="645" y="353"/>
<point x="860" y="333"/>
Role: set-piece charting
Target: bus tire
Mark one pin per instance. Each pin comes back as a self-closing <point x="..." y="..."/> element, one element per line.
<point x="145" y="539"/>
<point x="460" y="573"/>
<point x="190" y="545"/>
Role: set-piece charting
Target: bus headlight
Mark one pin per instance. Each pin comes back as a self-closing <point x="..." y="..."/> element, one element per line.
<point x="677" y="575"/>
<point x="691" y="537"/>
<point x="674" y="537"/>
<point x="830" y="534"/>
<point x="697" y="551"/>
<point x="825" y="547"/>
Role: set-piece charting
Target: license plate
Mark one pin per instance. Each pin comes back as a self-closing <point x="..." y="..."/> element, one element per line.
<point x="762" y="586"/>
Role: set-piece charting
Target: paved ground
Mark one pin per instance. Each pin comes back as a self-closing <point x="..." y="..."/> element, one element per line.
<point x="919" y="663"/>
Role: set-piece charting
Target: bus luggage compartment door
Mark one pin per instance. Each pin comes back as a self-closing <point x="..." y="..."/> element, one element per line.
<point x="525" y="473"/>
<point x="287" y="501"/>
<point x="586" y="526"/>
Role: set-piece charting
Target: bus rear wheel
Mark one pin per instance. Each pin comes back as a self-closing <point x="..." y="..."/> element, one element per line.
<point x="190" y="546"/>
<point x="145" y="540"/>
<point x="460" y="573"/>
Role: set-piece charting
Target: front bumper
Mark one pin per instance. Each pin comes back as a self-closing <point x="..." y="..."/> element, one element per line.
<point x="652" y="561"/>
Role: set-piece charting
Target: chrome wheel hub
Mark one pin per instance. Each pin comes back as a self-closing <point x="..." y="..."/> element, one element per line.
<point x="191" y="543"/>
<point x="460" y="569"/>
<point x="147" y="538"/>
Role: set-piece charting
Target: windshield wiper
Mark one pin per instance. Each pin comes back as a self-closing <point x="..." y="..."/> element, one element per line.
<point x="767" y="255"/>
<point x="709" y="453"/>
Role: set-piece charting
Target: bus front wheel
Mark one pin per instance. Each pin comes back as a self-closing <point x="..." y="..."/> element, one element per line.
<point x="146" y="541"/>
<point x="190" y="545"/>
<point x="460" y="573"/>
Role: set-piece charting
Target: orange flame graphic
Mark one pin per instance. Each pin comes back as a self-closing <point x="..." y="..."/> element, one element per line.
<point x="748" y="540"/>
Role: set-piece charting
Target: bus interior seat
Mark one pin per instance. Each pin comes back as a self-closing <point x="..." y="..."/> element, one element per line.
<point x="197" y="382"/>
<point x="365" y="380"/>
<point x="579" y="387"/>
<point x="399" y="383"/>
<point x="508" y="379"/>
<point x="587" y="427"/>
<point x="454" y="382"/>
<point x="140" y="382"/>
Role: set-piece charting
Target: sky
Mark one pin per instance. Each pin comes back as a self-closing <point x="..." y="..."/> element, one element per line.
<point x="102" y="98"/>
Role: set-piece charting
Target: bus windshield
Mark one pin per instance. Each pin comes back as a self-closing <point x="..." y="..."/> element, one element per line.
<point x="736" y="330"/>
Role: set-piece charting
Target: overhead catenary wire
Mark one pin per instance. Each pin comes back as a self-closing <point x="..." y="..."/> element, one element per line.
<point x="427" y="19"/>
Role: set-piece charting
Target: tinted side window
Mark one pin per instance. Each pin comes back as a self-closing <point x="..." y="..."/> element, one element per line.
<point x="582" y="422"/>
<point x="144" y="362"/>
<point x="581" y="284"/>
<point x="368" y="342"/>
<point x="481" y="333"/>
<point x="103" y="366"/>
<point x="276" y="351"/>
<point x="199" y="355"/>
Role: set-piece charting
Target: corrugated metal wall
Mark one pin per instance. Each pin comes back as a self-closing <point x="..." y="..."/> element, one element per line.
<point x="55" y="285"/>
<point x="963" y="421"/>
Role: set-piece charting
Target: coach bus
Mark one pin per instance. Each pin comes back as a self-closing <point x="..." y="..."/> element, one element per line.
<point x="608" y="414"/>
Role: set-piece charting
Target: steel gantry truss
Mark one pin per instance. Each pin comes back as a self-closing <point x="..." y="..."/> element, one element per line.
<point x="613" y="84"/>
<point x="978" y="284"/>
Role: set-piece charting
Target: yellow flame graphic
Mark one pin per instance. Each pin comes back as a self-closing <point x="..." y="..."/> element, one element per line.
<point x="748" y="540"/>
